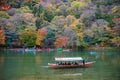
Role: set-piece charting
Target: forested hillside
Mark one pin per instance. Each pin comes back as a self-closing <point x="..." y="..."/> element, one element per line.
<point x="60" y="23"/>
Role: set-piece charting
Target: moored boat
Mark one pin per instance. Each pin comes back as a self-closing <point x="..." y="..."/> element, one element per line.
<point x="69" y="62"/>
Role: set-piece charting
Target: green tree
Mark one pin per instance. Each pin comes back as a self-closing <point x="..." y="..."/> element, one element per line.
<point x="101" y="40"/>
<point x="82" y="45"/>
<point x="38" y="10"/>
<point x="28" y="38"/>
<point x="49" y="12"/>
<point x="10" y="36"/>
<point x="49" y="39"/>
<point x="30" y="4"/>
<point x="39" y="21"/>
<point x="49" y="15"/>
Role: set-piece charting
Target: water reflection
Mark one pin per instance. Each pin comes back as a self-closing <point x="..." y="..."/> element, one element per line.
<point x="75" y="74"/>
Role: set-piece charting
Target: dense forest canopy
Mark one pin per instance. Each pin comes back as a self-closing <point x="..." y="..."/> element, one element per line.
<point x="60" y="23"/>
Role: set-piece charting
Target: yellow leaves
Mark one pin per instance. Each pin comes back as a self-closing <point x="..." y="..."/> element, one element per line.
<point x="38" y="40"/>
<point x="72" y="22"/>
<point x="115" y="9"/>
<point x="74" y="26"/>
<point x="111" y="31"/>
<point x="116" y="40"/>
<point x="49" y="6"/>
<point x="77" y="4"/>
<point x="2" y="37"/>
<point x="107" y="28"/>
<point x="80" y="36"/>
<point x="65" y="26"/>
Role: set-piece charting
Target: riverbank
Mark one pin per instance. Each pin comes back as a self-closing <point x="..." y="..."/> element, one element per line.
<point x="92" y="48"/>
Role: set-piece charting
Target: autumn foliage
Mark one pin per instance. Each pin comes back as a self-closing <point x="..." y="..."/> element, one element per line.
<point x="2" y="37"/>
<point x="61" y="41"/>
<point x="40" y="34"/>
<point x="3" y="5"/>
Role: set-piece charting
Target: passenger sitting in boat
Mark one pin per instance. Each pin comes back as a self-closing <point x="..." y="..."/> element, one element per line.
<point x="60" y="63"/>
<point x="64" y="63"/>
<point x="69" y="63"/>
<point x="72" y="63"/>
<point x="76" y="63"/>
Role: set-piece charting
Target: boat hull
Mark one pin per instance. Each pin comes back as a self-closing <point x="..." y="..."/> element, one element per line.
<point x="55" y="66"/>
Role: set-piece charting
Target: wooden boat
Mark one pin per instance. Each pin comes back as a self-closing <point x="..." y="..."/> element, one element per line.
<point x="69" y="62"/>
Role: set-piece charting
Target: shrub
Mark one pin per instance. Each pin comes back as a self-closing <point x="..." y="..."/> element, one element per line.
<point x="106" y="17"/>
<point x="4" y="14"/>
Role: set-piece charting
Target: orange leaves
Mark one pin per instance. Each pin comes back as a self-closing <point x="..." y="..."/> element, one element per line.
<point x="118" y="19"/>
<point x="27" y="16"/>
<point x="2" y="37"/>
<point x="5" y="7"/>
<point x="42" y="31"/>
<point x="40" y="34"/>
<point x="61" y="41"/>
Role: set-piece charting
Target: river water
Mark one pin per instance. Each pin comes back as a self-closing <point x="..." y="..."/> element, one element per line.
<point x="33" y="66"/>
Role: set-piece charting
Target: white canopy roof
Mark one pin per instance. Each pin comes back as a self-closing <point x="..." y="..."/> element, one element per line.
<point x="68" y="59"/>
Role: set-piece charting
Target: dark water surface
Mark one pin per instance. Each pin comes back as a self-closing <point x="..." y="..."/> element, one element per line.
<point x="33" y="66"/>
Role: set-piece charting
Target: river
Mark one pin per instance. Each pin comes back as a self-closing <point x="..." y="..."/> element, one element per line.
<point x="33" y="66"/>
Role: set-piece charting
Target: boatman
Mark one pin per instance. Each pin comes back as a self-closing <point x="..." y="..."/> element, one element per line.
<point x="83" y="62"/>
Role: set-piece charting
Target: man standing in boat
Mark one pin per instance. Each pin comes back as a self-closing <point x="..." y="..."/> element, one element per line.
<point x="83" y="62"/>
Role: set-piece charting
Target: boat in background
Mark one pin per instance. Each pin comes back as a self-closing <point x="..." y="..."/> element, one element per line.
<point x="69" y="62"/>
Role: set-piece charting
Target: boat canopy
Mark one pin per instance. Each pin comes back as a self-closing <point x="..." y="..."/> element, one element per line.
<point x="69" y="59"/>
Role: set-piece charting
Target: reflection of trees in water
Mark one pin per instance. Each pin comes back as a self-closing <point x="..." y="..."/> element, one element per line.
<point x="102" y="56"/>
<point x="2" y="59"/>
<point x="38" y="59"/>
<point x="59" y="54"/>
<point x="116" y="61"/>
